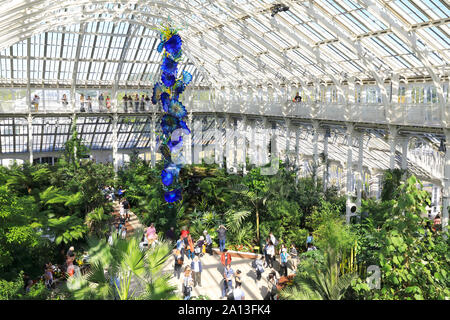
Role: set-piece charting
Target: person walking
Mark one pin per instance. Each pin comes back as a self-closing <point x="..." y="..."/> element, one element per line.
<point x="270" y="254"/>
<point x="187" y="283"/>
<point x="222" y="232"/>
<point x="126" y="208"/>
<point x="180" y="245"/>
<point x="101" y="102"/>
<point x="196" y="267"/>
<point x="227" y="281"/>
<point x="237" y="278"/>
<point x="190" y="247"/>
<point x="179" y="260"/>
<point x="293" y="257"/>
<point x="237" y="294"/>
<point x="259" y="267"/>
<point x="271" y="287"/>
<point x="208" y="242"/>
<point x="225" y="258"/>
<point x="283" y="261"/>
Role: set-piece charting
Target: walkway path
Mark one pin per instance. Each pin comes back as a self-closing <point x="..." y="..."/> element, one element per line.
<point x="212" y="274"/>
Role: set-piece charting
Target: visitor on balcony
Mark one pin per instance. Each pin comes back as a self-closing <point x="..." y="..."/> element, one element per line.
<point x="297" y="98"/>
<point x="147" y="102"/>
<point x="64" y="101"/>
<point x="108" y="103"/>
<point x="125" y="103"/>
<point x="35" y="102"/>
<point x="136" y="103"/>
<point x="82" y="103"/>
<point x="89" y="103"/>
<point x="101" y="102"/>
<point x="142" y="103"/>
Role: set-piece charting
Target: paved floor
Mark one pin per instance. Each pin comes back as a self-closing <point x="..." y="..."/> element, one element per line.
<point x="212" y="274"/>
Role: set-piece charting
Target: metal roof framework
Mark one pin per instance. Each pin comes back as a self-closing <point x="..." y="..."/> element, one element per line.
<point x="227" y="42"/>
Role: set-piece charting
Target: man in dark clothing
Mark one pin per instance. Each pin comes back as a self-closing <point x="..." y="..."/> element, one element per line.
<point x="222" y="232"/>
<point x="126" y="207"/>
<point x="170" y="234"/>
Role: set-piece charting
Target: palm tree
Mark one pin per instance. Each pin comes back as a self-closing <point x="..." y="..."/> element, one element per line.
<point x="98" y="222"/>
<point x="124" y="271"/>
<point x="322" y="283"/>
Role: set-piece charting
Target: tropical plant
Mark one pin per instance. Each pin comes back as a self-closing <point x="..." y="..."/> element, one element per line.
<point x="324" y="282"/>
<point x="124" y="271"/>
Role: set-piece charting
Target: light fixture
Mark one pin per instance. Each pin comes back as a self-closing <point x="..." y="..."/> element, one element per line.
<point x="279" y="8"/>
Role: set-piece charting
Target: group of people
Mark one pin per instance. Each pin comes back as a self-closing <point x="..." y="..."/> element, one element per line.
<point x="110" y="193"/>
<point x="139" y="103"/>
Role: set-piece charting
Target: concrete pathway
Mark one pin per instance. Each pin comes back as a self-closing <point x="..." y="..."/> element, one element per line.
<point x="212" y="274"/>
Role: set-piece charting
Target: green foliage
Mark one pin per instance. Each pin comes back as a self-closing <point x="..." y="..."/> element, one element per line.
<point x="321" y="282"/>
<point x="413" y="260"/>
<point x="124" y="262"/>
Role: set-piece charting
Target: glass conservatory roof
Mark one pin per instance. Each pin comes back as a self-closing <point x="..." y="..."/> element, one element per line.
<point x="226" y="42"/>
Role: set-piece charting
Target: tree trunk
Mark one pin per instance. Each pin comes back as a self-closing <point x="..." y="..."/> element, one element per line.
<point x="257" y="226"/>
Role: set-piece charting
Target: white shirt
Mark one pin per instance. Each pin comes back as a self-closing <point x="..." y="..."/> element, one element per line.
<point x="270" y="250"/>
<point x="238" y="294"/>
<point x="272" y="238"/>
<point x="196" y="266"/>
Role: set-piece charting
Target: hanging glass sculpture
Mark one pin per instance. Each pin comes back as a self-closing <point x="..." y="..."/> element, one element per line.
<point x="166" y="93"/>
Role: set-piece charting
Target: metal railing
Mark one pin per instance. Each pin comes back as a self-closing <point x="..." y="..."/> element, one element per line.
<point x="427" y="115"/>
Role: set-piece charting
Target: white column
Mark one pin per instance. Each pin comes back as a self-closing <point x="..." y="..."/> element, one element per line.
<point x="446" y="183"/>
<point x="349" y="167"/>
<point x="360" y="136"/>
<point x="243" y="144"/>
<point x="267" y="127"/>
<point x="218" y="147"/>
<point x="325" y="152"/>
<point x="253" y="151"/>
<point x="153" y="141"/>
<point x="316" y="148"/>
<point x="392" y="146"/>
<point x="404" y="141"/>
<point x="228" y="143"/>
<point x="287" y="149"/>
<point x="30" y="137"/>
<point x="297" y="148"/>
<point x="115" y="142"/>
<point x="189" y="140"/>
<point x="197" y="139"/>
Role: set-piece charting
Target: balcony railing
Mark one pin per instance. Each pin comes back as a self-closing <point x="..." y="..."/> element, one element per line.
<point x="427" y="115"/>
